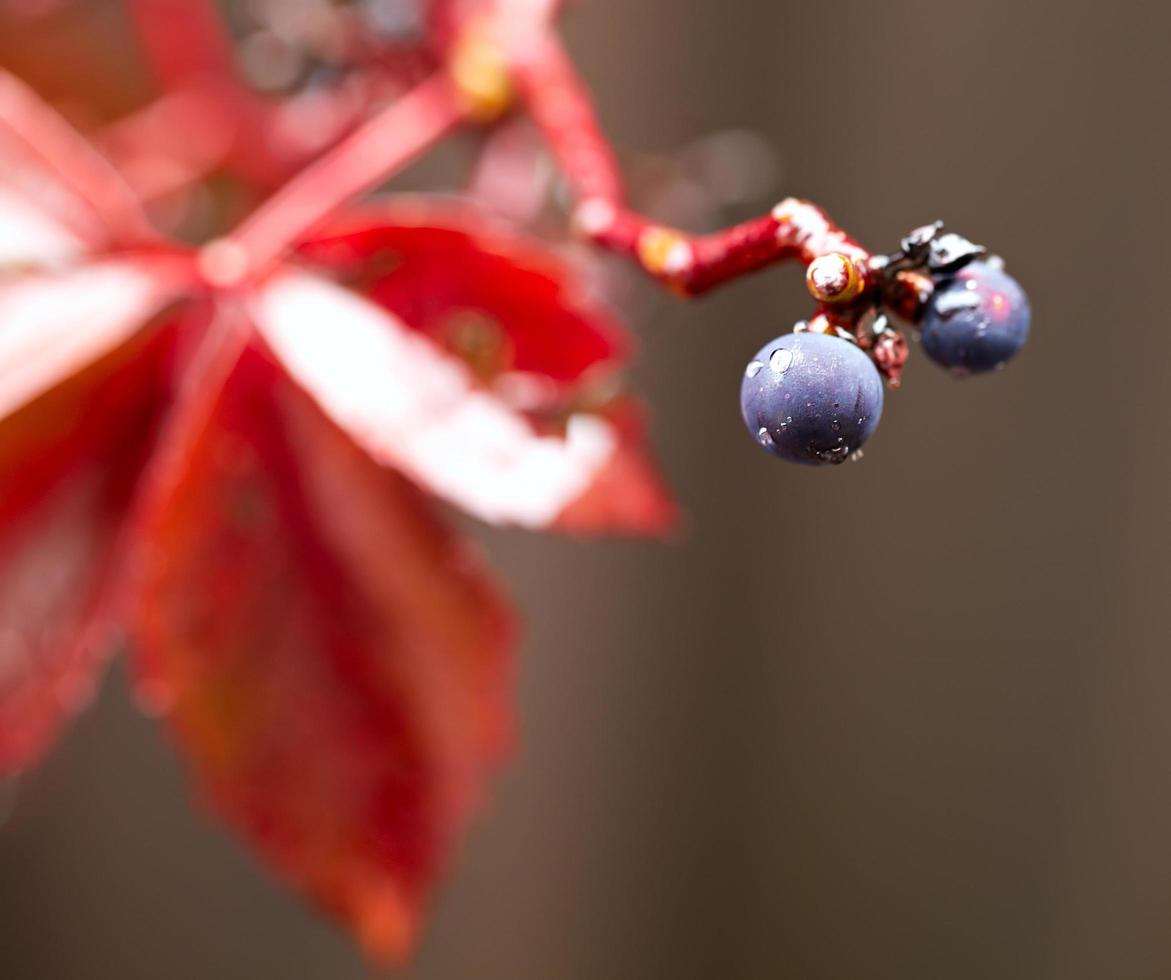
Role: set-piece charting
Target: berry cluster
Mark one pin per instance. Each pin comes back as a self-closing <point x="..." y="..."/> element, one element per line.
<point x="814" y="396"/>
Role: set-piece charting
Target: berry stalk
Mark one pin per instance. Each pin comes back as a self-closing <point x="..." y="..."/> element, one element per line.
<point x="694" y="264"/>
<point x="558" y="101"/>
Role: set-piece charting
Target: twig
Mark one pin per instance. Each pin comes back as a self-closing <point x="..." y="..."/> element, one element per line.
<point x="375" y="151"/>
<point x="559" y="103"/>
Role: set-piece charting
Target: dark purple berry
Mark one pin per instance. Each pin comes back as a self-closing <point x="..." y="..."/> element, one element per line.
<point x="811" y="398"/>
<point x="976" y="319"/>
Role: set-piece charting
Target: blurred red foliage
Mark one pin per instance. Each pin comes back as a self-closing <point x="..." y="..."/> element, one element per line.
<point x="237" y="466"/>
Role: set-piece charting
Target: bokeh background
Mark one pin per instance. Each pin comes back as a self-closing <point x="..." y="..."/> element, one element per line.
<point x="909" y="718"/>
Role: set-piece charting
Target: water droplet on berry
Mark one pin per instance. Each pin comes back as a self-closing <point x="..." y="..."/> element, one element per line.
<point x="754" y="368"/>
<point x="835" y="455"/>
<point x="764" y="438"/>
<point x="956" y="301"/>
<point x="836" y="425"/>
<point x="780" y="359"/>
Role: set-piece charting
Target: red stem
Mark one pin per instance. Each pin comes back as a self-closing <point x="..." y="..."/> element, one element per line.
<point x="371" y="154"/>
<point x="191" y="52"/>
<point x="559" y="103"/>
<point x="693" y="264"/>
<point x="183" y="39"/>
<point x="72" y="164"/>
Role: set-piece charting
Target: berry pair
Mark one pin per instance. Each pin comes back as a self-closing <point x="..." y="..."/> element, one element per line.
<point x="815" y="398"/>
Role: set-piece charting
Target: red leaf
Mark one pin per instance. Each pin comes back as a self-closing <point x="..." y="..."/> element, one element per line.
<point x="627" y="495"/>
<point x="412" y="406"/>
<point x="501" y="302"/>
<point x="30" y="236"/>
<point x="334" y="660"/>
<point x="73" y="440"/>
<point x="52" y="326"/>
<point x="515" y="314"/>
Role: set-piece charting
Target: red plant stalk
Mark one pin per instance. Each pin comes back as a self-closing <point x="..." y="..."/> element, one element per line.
<point x="88" y="177"/>
<point x="559" y="103"/>
<point x="184" y="39"/>
<point x="190" y="52"/>
<point x="515" y="46"/>
<point x="376" y="150"/>
<point x="556" y="99"/>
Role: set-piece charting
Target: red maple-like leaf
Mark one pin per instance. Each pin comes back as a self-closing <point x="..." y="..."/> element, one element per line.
<point x="239" y="479"/>
<point x="333" y="659"/>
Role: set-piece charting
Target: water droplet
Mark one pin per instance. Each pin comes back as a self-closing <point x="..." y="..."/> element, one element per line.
<point x="956" y="301"/>
<point x="754" y="369"/>
<point x="788" y="421"/>
<point x="856" y="456"/>
<point x="764" y="438"/>
<point x="780" y="359"/>
<point x="836" y="425"/>
<point x="835" y="455"/>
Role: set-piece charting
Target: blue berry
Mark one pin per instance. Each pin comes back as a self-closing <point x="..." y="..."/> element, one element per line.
<point x="811" y="398"/>
<point x="976" y="320"/>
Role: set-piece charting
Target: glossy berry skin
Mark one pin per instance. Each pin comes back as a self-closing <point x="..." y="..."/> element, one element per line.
<point x="811" y="398"/>
<point x="976" y="320"/>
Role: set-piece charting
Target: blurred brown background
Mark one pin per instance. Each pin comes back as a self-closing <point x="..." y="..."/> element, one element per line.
<point x="909" y="718"/>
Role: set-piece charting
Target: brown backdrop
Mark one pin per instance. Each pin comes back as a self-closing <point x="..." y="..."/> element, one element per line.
<point x="906" y="719"/>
